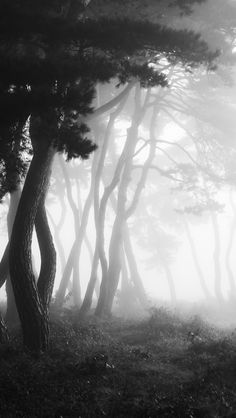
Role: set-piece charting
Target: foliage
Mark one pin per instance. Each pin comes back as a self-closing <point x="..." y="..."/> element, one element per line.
<point x="51" y="60"/>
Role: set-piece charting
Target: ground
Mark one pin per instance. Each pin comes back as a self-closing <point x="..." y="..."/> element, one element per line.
<point x="160" y="366"/>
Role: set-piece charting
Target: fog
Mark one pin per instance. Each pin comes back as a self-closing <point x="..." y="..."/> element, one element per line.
<point x="151" y="214"/>
<point x="118" y="208"/>
<point x="179" y="188"/>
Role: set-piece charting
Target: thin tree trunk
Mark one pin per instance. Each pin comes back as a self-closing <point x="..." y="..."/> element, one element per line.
<point x="122" y="212"/>
<point x="170" y="281"/>
<point x="100" y="233"/>
<point x="228" y="253"/>
<point x="195" y="260"/>
<point x="124" y="272"/>
<point x="74" y="263"/>
<point x="87" y="302"/>
<point x="216" y="257"/>
<point x="59" y="246"/>
<point x="135" y="276"/>
<point x="115" y="247"/>
<point x="133" y="268"/>
<point x="47" y="273"/>
<point x="76" y="288"/>
<point x="99" y="209"/>
<point x="78" y="242"/>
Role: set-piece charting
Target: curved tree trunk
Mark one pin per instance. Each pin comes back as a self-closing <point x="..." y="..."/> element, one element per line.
<point x="4" y="265"/>
<point x="74" y="262"/>
<point x="47" y="253"/>
<point x="87" y="302"/>
<point x="86" y="240"/>
<point x="100" y="206"/>
<point x="122" y="212"/>
<point x="117" y="231"/>
<point x="59" y="246"/>
<point x="56" y="232"/>
<point x="32" y="312"/>
<point x="100" y="238"/>
<point x="133" y="268"/>
<point x="78" y="242"/>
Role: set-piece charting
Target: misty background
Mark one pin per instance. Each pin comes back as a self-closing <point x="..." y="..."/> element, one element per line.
<point x="180" y="184"/>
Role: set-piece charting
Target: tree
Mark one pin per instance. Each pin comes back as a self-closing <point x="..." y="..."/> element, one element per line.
<point x="54" y="61"/>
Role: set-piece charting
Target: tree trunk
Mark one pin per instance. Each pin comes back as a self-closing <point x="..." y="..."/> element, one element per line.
<point x="117" y="231"/>
<point x="74" y="263"/>
<point x="195" y="260"/>
<point x="124" y="273"/>
<point x="87" y="302"/>
<point x="3" y="331"/>
<point x="228" y="253"/>
<point x="76" y="288"/>
<point x="32" y="313"/>
<point x="56" y="233"/>
<point x="58" y="243"/>
<point x="77" y="244"/>
<point x="134" y="273"/>
<point x="170" y="281"/>
<point x="135" y="277"/>
<point x="117" y="238"/>
<point x="4" y="265"/>
<point x="47" y="273"/>
<point x="115" y="260"/>
<point x="100" y="238"/>
<point x="216" y="257"/>
<point x="11" y="314"/>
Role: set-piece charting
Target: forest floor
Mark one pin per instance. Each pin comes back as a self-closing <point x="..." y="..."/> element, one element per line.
<point x="161" y="366"/>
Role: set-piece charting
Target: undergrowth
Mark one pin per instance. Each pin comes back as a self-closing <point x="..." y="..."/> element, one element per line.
<point x="163" y="366"/>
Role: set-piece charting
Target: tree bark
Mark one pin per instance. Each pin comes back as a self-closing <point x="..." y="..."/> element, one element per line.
<point x="3" y="331"/>
<point x="47" y="272"/>
<point x="32" y="312"/>
<point x="59" y="246"/>
<point x="4" y="265"/>
<point x="11" y="313"/>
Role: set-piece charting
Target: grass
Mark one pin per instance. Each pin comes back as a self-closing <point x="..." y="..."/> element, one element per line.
<point x="163" y="366"/>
